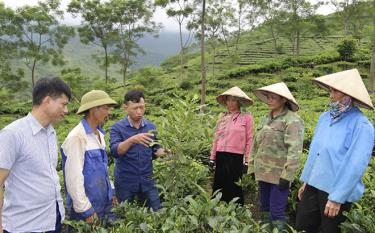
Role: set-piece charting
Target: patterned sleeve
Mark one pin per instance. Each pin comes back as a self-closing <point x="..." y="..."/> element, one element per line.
<point x="293" y="139"/>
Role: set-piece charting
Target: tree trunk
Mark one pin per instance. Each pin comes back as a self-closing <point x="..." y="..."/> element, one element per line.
<point x="203" y="62"/>
<point x="181" y="52"/>
<point x="239" y="27"/>
<point x="298" y="41"/>
<point x="124" y="70"/>
<point x="213" y="61"/>
<point x="372" y="68"/>
<point x="106" y="64"/>
<point x="33" y="73"/>
<point x="225" y="40"/>
<point x="346" y="20"/>
<point x="274" y="38"/>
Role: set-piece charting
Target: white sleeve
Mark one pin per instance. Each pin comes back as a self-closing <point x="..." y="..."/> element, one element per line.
<point x="74" y="150"/>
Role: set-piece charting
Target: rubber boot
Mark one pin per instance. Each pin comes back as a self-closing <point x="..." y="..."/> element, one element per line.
<point x="280" y="225"/>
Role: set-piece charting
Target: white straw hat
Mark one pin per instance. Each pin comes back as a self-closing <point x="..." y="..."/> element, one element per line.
<point x="236" y="92"/>
<point x="279" y="89"/>
<point x="348" y="82"/>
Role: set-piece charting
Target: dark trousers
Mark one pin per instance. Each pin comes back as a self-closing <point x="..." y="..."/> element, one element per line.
<point x="310" y="213"/>
<point x="151" y="197"/>
<point x="228" y="171"/>
<point x="273" y="200"/>
<point x="58" y="225"/>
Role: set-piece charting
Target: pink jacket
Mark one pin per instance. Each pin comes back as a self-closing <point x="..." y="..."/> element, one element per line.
<point x="235" y="137"/>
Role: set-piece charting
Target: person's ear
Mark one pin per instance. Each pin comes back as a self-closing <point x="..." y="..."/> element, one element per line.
<point x="46" y="100"/>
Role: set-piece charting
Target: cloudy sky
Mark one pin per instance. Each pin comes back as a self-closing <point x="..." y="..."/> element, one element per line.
<point x="160" y="15"/>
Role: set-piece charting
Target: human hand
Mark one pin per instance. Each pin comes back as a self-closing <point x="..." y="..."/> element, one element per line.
<point x="142" y="138"/>
<point x="332" y="209"/>
<point x="245" y="167"/>
<point x="161" y="152"/>
<point x="114" y="201"/>
<point x="301" y="190"/>
<point x="283" y="184"/>
<point x="92" y="219"/>
<point x="212" y="165"/>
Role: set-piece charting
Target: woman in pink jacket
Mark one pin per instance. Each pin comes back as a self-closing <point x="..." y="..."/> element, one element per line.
<point x="231" y="145"/>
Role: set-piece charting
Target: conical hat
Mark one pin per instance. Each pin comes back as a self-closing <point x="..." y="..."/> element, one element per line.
<point x="348" y="82"/>
<point x="279" y="89"/>
<point x="236" y="92"/>
<point x="93" y="99"/>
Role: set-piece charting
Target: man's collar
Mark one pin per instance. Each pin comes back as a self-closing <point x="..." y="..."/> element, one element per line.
<point x="36" y="127"/>
<point x="128" y="122"/>
<point x="88" y="129"/>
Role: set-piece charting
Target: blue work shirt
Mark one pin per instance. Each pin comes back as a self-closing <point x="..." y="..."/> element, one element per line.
<point x="85" y="166"/>
<point x="32" y="188"/>
<point x="133" y="170"/>
<point x="339" y="155"/>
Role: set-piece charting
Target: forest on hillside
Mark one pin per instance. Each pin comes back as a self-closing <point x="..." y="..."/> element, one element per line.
<point x="245" y="43"/>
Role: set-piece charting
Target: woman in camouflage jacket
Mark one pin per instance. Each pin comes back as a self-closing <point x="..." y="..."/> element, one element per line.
<point x="277" y="149"/>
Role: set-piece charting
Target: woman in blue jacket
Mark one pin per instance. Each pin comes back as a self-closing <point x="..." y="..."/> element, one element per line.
<point x="339" y="154"/>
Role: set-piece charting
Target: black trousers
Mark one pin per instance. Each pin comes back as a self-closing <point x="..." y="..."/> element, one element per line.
<point x="228" y="171"/>
<point x="310" y="213"/>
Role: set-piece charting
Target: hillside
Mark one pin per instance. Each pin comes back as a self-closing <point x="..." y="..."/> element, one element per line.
<point x="77" y="54"/>
<point x="173" y="104"/>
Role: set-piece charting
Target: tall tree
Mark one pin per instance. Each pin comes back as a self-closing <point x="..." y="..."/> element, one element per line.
<point x="270" y="14"/>
<point x="10" y="82"/>
<point x="217" y="17"/>
<point x="181" y="11"/>
<point x="97" y="27"/>
<point x="203" y="60"/>
<point x="300" y="20"/>
<point x="133" y="19"/>
<point x="40" y="36"/>
<point x="344" y="10"/>
<point x="247" y="14"/>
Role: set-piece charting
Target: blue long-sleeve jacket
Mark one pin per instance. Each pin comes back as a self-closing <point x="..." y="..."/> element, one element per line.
<point x="133" y="170"/>
<point x="85" y="168"/>
<point x="339" y="155"/>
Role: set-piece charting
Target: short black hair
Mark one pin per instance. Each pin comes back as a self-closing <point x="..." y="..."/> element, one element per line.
<point x="53" y="87"/>
<point x="133" y="96"/>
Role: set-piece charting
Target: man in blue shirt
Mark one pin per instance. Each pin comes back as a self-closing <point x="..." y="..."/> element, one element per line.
<point x="129" y="142"/>
<point x="85" y="162"/>
<point x="28" y="160"/>
<point x="338" y="156"/>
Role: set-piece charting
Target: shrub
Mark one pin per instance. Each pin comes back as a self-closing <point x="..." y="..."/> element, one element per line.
<point x="181" y="128"/>
<point x="186" y="85"/>
<point x="346" y="48"/>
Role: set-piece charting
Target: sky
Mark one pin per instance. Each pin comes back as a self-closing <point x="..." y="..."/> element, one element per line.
<point x="160" y="16"/>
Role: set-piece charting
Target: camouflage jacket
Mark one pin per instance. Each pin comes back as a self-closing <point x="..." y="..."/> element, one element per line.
<point x="277" y="147"/>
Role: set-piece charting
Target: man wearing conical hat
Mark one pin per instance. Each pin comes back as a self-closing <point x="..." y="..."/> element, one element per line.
<point x="85" y="161"/>
<point x="277" y="149"/>
<point x="232" y="144"/>
<point x="338" y="156"/>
